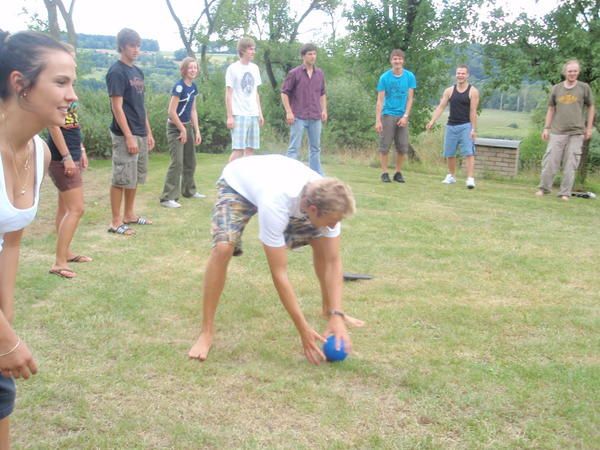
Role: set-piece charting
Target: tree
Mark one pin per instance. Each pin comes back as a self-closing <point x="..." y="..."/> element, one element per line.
<point x="67" y="16"/>
<point x="426" y="31"/>
<point x="216" y="17"/>
<point x="537" y="48"/>
<point x="278" y="29"/>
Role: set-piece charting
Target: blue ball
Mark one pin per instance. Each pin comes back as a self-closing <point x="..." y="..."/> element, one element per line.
<point x="331" y="353"/>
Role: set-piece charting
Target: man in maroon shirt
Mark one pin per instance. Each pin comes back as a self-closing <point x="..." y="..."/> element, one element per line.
<point x="305" y="103"/>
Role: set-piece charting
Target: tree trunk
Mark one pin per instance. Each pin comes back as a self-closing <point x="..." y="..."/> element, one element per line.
<point x="269" y="69"/>
<point x="53" y="27"/>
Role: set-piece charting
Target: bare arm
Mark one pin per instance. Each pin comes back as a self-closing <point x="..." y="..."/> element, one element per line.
<point x="261" y="119"/>
<point x="590" y="122"/>
<point x="116" y="104"/>
<point x="20" y="361"/>
<point x="289" y="114"/>
<point x="228" y="107"/>
<point x="473" y="111"/>
<point x="61" y="145"/>
<point x="277" y="259"/>
<point x="403" y="122"/>
<point x="323" y="101"/>
<point x="440" y="108"/>
<point x="174" y="118"/>
<point x="378" y="109"/>
<point x="548" y="122"/>
<point x="150" y="136"/>
<point x="195" y="124"/>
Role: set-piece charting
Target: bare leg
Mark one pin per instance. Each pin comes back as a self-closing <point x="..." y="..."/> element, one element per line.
<point x="116" y="197"/>
<point x="4" y="434"/>
<point x="452" y="165"/>
<point x="128" y="210"/>
<point x="73" y="203"/>
<point x="383" y="161"/>
<point x="470" y="163"/>
<point x="249" y="152"/>
<point x="323" y="262"/>
<point x="214" y="282"/>
<point x="399" y="161"/>
<point x="235" y="154"/>
<point x="60" y="213"/>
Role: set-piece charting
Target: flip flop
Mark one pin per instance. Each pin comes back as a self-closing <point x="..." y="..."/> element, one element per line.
<point x="80" y="259"/>
<point x="139" y="221"/>
<point x="63" y="273"/>
<point x="122" y="229"/>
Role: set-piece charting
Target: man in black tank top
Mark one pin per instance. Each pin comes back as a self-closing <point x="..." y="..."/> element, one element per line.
<point x="462" y="124"/>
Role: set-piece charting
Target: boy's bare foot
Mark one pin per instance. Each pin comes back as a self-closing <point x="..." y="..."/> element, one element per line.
<point x="351" y="321"/>
<point x="201" y="348"/>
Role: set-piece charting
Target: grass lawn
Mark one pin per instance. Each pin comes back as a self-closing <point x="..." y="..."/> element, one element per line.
<point x="483" y="326"/>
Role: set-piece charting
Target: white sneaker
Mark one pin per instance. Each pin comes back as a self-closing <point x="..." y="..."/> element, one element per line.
<point x="198" y="195"/>
<point x="170" y="204"/>
<point x="449" y="179"/>
<point x="470" y="183"/>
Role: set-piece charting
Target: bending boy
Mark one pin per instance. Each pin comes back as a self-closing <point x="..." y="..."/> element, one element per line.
<point x="295" y="207"/>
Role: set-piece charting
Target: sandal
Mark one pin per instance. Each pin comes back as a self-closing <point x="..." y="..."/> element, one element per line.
<point x="63" y="273"/>
<point x="80" y="259"/>
<point x="139" y="221"/>
<point x="122" y="229"/>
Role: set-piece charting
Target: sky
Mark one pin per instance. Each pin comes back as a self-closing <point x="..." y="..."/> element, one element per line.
<point x="151" y="18"/>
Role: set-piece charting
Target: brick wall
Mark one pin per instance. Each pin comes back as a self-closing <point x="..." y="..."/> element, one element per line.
<point x="498" y="156"/>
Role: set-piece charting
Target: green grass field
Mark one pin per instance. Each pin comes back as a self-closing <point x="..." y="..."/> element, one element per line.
<point x="483" y="326"/>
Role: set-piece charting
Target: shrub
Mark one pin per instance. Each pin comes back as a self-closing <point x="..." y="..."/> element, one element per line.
<point x="532" y="150"/>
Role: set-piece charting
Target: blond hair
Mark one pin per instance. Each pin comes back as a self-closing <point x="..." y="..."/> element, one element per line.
<point x="330" y="195"/>
<point x="569" y="62"/>
<point x="185" y="63"/>
<point x="244" y="44"/>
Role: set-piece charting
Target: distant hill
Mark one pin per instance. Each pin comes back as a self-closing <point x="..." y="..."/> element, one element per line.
<point x="98" y="41"/>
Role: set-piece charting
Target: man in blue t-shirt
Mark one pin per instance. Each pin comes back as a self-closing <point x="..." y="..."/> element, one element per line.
<point x="395" y="93"/>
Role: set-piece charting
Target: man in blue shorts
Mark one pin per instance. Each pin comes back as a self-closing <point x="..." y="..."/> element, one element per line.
<point x="462" y="124"/>
<point x="395" y="93"/>
<point x="242" y="102"/>
<point x="295" y="206"/>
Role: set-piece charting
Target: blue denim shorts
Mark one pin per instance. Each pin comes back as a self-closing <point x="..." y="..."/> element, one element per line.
<point x="458" y="136"/>
<point x="8" y="392"/>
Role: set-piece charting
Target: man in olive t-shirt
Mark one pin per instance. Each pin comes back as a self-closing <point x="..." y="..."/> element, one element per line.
<point x="565" y="130"/>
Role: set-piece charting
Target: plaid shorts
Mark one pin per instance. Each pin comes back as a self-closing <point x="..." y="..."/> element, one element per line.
<point x="232" y="212"/>
<point x="245" y="133"/>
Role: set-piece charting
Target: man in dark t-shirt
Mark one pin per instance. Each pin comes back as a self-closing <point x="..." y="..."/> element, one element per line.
<point x="462" y="124"/>
<point x="130" y="132"/>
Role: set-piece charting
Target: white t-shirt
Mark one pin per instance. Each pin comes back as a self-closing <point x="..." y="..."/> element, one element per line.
<point x="272" y="183"/>
<point x="11" y="218"/>
<point x="244" y="80"/>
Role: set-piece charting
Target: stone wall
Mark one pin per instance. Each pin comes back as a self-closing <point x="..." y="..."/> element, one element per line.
<point x="498" y="156"/>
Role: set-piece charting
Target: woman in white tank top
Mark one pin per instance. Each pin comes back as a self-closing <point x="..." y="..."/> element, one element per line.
<point x="36" y="88"/>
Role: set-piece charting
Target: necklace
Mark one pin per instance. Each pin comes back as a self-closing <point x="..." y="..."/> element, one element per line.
<point x="26" y="167"/>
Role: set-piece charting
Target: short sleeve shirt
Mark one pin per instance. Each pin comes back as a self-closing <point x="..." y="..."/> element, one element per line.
<point x="186" y="95"/>
<point x="396" y="90"/>
<point x="273" y="183"/>
<point x="128" y="82"/>
<point x="305" y="92"/>
<point x="244" y="80"/>
<point x="569" y="104"/>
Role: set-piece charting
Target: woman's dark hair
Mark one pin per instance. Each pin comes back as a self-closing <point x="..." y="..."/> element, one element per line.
<point x="24" y="52"/>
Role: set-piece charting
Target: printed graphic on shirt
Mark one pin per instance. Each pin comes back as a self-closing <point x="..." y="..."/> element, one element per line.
<point x="567" y="99"/>
<point x="137" y="84"/>
<point x="247" y="83"/>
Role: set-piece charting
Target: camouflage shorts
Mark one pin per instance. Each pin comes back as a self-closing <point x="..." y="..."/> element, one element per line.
<point x="232" y="212"/>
